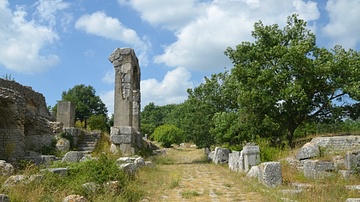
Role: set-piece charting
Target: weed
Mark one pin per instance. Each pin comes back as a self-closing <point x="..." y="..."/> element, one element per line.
<point x="189" y="194"/>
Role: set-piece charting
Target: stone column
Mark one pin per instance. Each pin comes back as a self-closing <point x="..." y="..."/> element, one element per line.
<point x="251" y="156"/>
<point x="66" y="113"/>
<point x="126" y="100"/>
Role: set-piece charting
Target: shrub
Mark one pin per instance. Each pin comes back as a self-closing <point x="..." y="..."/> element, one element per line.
<point x="98" y="122"/>
<point x="168" y="134"/>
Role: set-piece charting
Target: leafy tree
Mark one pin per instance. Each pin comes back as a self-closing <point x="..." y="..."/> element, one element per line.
<point x="216" y="94"/>
<point x="168" y="134"/>
<point x="285" y="80"/>
<point x="86" y="102"/>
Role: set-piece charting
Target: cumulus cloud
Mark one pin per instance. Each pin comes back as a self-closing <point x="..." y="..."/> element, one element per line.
<point x="108" y="99"/>
<point x="165" y="13"/>
<point x="23" y="42"/>
<point x="171" y="90"/>
<point x="108" y="27"/>
<point x="343" y="27"/>
<point x="201" y="43"/>
<point x="109" y="77"/>
<point x="47" y="10"/>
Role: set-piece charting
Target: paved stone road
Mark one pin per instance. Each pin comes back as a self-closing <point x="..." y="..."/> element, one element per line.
<point x="199" y="181"/>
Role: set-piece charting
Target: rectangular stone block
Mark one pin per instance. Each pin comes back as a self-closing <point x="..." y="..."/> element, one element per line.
<point x="236" y="161"/>
<point x="121" y="139"/>
<point x="126" y="130"/>
<point x="314" y="169"/>
<point x="352" y="160"/>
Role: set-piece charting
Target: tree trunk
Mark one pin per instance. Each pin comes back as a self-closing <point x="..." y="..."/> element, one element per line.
<point x="290" y="136"/>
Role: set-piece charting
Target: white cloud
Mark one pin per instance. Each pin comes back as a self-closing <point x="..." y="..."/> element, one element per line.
<point x="201" y="43"/>
<point x="47" y="11"/>
<point x="102" y="25"/>
<point x="23" y="42"/>
<point x="109" y="77"/>
<point x="343" y="27"/>
<point x="165" y="13"/>
<point x="172" y="89"/>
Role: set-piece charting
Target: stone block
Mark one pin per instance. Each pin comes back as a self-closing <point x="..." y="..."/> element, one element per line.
<point x="271" y="173"/>
<point x="236" y="161"/>
<point x="72" y="156"/>
<point x="59" y="171"/>
<point x="251" y="156"/>
<point x="75" y="198"/>
<point x="221" y="155"/>
<point x="114" y="149"/>
<point x="352" y="160"/>
<point x="4" y="198"/>
<point x="63" y="145"/>
<point x="211" y="155"/>
<point x="308" y="151"/>
<point x="6" y="169"/>
<point x="315" y="169"/>
<point x="353" y="200"/>
<point x="121" y="139"/>
<point x="268" y="173"/>
<point x="126" y="149"/>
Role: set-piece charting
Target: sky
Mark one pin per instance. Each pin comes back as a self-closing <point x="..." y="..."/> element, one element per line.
<point x="53" y="45"/>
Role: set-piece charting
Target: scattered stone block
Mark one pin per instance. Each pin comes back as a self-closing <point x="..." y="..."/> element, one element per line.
<point x="352" y="160"/>
<point x="211" y="155"/>
<point x="4" y="198"/>
<point x="60" y="171"/>
<point x="346" y="174"/>
<point x="91" y="187"/>
<point x="353" y="200"/>
<point x="221" y="155"/>
<point x="75" y="198"/>
<point x="6" y="169"/>
<point x="268" y="173"/>
<point x="251" y="156"/>
<point x="337" y="143"/>
<point x="314" y="169"/>
<point x="308" y="151"/>
<point x="353" y="187"/>
<point x="72" y="156"/>
<point x="236" y="161"/>
<point x="112" y="186"/>
<point x="139" y="162"/>
<point x="17" y="179"/>
<point x="63" y="145"/>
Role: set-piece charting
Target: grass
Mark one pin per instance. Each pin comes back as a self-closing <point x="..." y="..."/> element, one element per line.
<point x="189" y="194"/>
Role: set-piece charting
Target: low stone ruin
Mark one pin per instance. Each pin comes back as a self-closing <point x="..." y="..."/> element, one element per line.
<point x="248" y="161"/>
<point x="346" y="165"/>
<point x="25" y="122"/>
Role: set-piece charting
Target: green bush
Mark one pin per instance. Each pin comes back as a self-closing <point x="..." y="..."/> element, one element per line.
<point x="98" y="122"/>
<point x="168" y="134"/>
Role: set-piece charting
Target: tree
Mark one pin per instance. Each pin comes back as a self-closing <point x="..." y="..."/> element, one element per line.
<point x="86" y="102"/>
<point x="168" y="134"/>
<point x="216" y="94"/>
<point x="284" y="79"/>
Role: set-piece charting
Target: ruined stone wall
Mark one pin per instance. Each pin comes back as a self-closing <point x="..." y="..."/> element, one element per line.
<point x="24" y="120"/>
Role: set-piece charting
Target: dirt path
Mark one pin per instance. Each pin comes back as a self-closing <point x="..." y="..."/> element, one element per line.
<point x="190" y="178"/>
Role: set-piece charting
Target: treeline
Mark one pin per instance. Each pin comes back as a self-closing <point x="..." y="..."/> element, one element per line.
<point x="282" y="87"/>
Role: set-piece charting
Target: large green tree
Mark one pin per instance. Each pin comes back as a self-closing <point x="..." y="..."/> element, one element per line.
<point x="284" y="79"/>
<point x="86" y="101"/>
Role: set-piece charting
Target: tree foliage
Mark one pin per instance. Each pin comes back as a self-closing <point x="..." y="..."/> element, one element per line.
<point x="86" y="102"/>
<point x="284" y="79"/>
<point x="168" y="135"/>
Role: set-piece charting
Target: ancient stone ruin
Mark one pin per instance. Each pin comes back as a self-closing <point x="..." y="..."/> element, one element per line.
<point x="25" y="122"/>
<point x="66" y="113"/>
<point x="125" y="134"/>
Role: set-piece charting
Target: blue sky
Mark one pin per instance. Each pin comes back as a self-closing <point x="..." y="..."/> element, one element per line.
<point x="53" y="45"/>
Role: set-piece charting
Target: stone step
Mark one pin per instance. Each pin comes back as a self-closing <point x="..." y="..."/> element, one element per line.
<point x="85" y="148"/>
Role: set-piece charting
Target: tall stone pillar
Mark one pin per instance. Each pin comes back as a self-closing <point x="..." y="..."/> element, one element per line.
<point x="126" y="101"/>
<point x="66" y="113"/>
